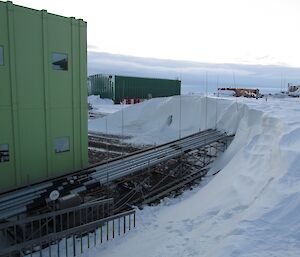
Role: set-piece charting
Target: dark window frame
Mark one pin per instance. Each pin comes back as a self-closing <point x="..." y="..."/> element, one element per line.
<point x="4" y="157"/>
<point x="62" y="150"/>
<point x="57" y="57"/>
<point x="1" y="54"/>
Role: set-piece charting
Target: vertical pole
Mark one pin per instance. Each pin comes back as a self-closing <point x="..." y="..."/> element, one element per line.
<point x="119" y="226"/>
<point x="180" y="116"/>
<point x="81" y="247"/>
<point x="107" y="235"/>
<point x="80" y="216"/>
<point x="123" y="123"/>
<point x="58" y="248"/>
<point x="68" y="220"/>
<point x="101" y="234"/>
<point x="15" y="232"/>
<point x="74" y="218"/>
<point x="49" y="248"/>
<point x="134" y="219"/>
<point x="217" y="100"/>
<point x="206" y="101"/>
<point x="129" y="221"/>
<point x="113" y="229"/>
<point x="106" y="129"/>
<point x="74" y="246"/>
<point x="86" y="215"/>
<point x="66" y="242"/>
<point x="40" y="250"/>
<point x="124" y="224"/>
<point x="61" y="222"/>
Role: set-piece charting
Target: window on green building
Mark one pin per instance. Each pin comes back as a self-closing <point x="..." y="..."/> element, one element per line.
<point x="4" y="153"/>
<point x="59" y="61"/>
<point x="1" y="55"/>
<point x="62" y="144"/>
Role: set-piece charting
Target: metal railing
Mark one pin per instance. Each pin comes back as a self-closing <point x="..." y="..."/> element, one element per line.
<point x="65" y="230"/>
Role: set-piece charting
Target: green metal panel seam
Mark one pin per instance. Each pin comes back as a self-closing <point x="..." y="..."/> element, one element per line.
<point x="46" y="91"/>
<point x="82" y="78"/>
<point x="73" y="78"/>
<point x="80" y="96"/>
<point x="13" y="82"/>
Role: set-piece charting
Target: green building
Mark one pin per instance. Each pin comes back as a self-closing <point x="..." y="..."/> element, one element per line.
<point x="43" y="96"/>
<point x="117" y="87"/>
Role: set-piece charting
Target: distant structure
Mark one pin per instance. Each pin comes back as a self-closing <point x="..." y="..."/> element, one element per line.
<point x="246" y="92"/>
<point x="131" y="89"/>
<point x="293" y="90"/>
<point x="43" y="96"/>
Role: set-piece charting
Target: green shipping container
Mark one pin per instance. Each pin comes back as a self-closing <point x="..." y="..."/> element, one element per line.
<point x="43" y="99"/>
<point x="125" y="87"/>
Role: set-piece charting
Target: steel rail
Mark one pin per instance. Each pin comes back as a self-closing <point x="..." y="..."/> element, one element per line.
<point x="158" y="155"/>
<point x="15" y="202"/>
<point x="147" y="163"/>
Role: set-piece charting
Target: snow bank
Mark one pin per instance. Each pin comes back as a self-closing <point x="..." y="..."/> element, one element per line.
<point x="251" y="208"/>
<point x="149" y="122"/>
<point x="96" y="100"/>
<point x="103" y="106"/>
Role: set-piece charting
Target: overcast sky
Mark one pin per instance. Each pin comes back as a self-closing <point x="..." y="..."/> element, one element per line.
<point x="218" y="31"/>
<point x="251" y="43"/>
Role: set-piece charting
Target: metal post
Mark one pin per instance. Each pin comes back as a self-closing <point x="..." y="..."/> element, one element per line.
<point x="74" y="246"/>
<point x="106" y="129"/>
<point x="66" y="246"/>
<point x="123" y="124"/>
<point x="40" y="250"/>
<point x="61" y="222"/>
<point x="129" y="222"/>
<point x="124" y="224"/>
<point x="206" y="101"/>
<point x="180" y="116"/>
<point x="49" y="248"/>
<point x="107" y="236"/>
<point x="58" y="250"/>
<point x="81" y="247"/>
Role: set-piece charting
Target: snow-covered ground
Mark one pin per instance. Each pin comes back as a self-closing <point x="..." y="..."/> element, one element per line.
<point x="251" y="208"/>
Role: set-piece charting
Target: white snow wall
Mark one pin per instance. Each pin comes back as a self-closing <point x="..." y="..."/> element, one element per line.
<point x="147" y="122"/>
<point x="252" y="207"/>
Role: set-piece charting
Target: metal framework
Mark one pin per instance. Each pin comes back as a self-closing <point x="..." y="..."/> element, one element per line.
<point x="170" y="177"/>
<point x="37" y="196"/>
<point x="103" y="197"/>
<point x="71" y="229"/>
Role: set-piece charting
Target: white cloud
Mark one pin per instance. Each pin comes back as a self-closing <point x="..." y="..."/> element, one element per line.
<point x="193" y="74"/>
<point x="199" y="30"/>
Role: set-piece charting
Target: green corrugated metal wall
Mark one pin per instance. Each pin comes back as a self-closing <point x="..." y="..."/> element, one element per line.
<point x="39" y="104"/>
<point x="131" y="87"/>
<point x="102" y="85"/>
<point x="119" y="87"/>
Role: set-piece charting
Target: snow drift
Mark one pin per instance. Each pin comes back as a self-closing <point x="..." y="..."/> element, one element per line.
<point x="251" y="208"/>
<point x="103" y="106"/>
<point x="148" y="122"/>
